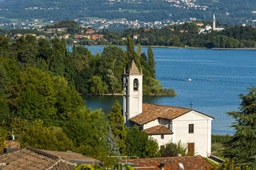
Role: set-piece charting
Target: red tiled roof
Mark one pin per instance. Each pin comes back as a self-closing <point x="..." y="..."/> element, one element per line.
<point x="73" y="157"/>
<point x="35" y="159"/>
<point x="158" y="130"/>
<point x="152" y="112"/>
<point x="170" y="163"/>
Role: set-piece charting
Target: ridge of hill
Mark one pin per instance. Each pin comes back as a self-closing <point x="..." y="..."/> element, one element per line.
<point x="230" y="12"/>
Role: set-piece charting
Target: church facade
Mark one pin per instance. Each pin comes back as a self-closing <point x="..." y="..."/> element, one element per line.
<point x="165" y="123"/>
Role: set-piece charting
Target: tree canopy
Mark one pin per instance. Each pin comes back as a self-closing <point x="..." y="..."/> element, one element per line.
<point x="41" y="104"/>
<point x="138" y="144"/>
<point x="242" y="146"/>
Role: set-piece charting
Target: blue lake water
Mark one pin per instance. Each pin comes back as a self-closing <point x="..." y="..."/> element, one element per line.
<point x="218" y="77"/>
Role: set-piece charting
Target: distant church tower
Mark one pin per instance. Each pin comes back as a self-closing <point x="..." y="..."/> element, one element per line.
<point x="213" y="23"/>
<point x="132" y="92"/>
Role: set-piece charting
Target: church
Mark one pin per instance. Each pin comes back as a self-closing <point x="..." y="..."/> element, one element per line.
<point x="164" y="123"/>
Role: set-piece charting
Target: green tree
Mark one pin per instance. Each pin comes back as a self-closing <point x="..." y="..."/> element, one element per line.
<point x="229" y="165"/>
<point x="14" y="82"/>
<point x="3" y="92"/>
<point x="242" y="146"/>
<point x="154" y="86"/>
<point x="173" y="149"/>
<point x="216" y="41"/>
<point x="88" y="134"/>
<point x="27" y="49"/>
<point x="116" y="122"/>
<point x="5" y="50"/>
<point x="3" y="137"/>
<point x="232" y="42"/>
<point x="174" y="40"/>
<point x="130" y="52"/>
<point x="44" y="49"/>
<point x="38" y="96"/>
<point x="69" y="103"/>
<point x="41" y="137"/>
<point x="151" y="62"/>
<point x="112" y="64"/>
<point x="169" y="149"/>
<point x="97" y="86"/>
<point x="139" y="144"/>
<point x="56" y="61"/>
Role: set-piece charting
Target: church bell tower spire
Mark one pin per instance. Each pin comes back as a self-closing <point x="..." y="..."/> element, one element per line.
<point x="213" y="22"/>
<point x="132" y="92"/>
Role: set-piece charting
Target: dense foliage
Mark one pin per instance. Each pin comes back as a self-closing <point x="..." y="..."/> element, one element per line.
<point x="39" y="99"/>
<point x="138" y="144"/>
<point x="242" y="147"/>
<point x="116" y="123"/>
<point x="88" y="74"/>
<point x="173" y="149"/>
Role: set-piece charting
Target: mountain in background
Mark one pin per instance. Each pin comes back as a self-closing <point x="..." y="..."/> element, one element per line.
<point x="230" y="12"/>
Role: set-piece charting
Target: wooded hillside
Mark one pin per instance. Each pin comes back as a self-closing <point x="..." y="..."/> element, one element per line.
<point x="231" y="12"/>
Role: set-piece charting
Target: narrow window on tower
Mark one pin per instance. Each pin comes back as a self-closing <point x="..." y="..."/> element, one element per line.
<point x="191" y="128"/>
<point x="135" y="84"/>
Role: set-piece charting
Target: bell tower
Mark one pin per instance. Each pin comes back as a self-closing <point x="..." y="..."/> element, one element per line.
<point x="132" y="92"/>
<point x="213" y="23"/>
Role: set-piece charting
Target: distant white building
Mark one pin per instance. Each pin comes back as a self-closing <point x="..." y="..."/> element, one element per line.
<point x="165" y="123"/>
<point x="207" y="29"/>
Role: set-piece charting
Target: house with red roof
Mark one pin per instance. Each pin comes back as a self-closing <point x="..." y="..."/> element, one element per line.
<point x="169" y="163"/>
<point x="165" y="123"/>
<point x="35" y="159"/>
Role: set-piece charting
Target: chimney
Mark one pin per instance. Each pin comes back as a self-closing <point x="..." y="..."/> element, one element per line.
<point x="161" y="166"/>
<point x="8" y="150"/>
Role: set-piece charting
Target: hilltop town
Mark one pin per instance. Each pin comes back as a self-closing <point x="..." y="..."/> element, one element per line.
<point x="123" y="14"/>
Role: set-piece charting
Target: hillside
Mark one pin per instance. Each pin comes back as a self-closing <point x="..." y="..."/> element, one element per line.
<point x="230" y="12"/>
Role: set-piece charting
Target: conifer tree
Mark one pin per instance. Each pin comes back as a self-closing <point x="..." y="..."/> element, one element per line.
<point x="151" y="62"/>
<point x="130" y="49"/>
<point x="131" y="54"/>
<point x="116" y="122"/>
<point x="242" y="146"/>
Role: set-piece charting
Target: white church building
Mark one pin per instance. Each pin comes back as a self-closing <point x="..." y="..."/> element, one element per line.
<point x="165" y="123"/>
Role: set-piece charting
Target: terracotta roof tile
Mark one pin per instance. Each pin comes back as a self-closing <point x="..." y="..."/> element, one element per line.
<point x="33" y="159"/>
<point x="73" y="157"/>
<point x="152" y="111"/>
<point x="158" y="130"/>
<point x="170" y="163"/>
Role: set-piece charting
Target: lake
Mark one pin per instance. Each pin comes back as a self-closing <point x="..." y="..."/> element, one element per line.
<point x="217" y="78"/>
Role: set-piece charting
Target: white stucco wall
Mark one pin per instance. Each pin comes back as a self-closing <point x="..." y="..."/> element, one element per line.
<point x="167" y="137"/>
<point x="134" y="96"/>
<point x="160" y="141"/>
<point x="151" y="124"/>
<point x="202" y="132"/>
<point x="180" y="128"/>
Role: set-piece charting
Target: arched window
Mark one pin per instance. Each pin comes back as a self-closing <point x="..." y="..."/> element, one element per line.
<point x="135" y="84"/>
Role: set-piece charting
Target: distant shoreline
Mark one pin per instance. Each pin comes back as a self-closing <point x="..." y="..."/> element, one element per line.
<point x="234" y="48"/>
